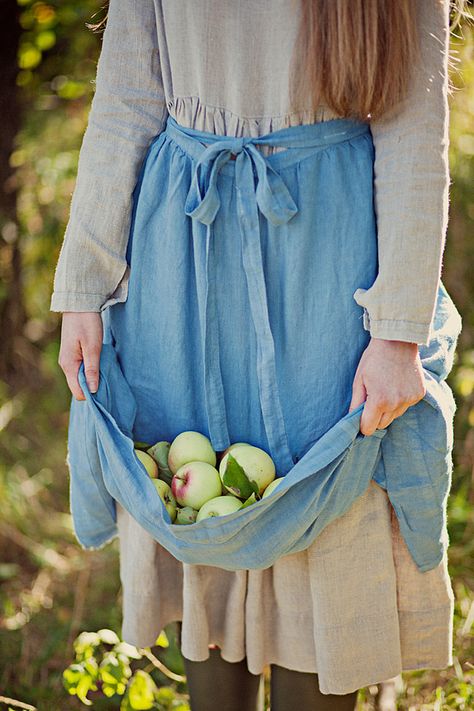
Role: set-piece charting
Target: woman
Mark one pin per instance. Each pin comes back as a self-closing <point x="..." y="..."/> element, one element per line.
<point x="352" y="609"/>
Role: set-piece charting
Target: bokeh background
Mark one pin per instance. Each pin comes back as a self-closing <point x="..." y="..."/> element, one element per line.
<point x="50" y="589"/>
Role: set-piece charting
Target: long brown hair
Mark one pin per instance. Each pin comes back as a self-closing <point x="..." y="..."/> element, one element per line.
<point x="356" y="57"/>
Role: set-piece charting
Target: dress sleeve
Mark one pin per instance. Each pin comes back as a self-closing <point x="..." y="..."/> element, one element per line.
<point x="411" y="192"/>
<point x="127" y="110"/>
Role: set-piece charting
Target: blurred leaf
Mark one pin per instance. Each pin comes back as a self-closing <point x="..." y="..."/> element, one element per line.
<point x="30" y="56"/>
<point x="141" y="692"/>
<point x="72" y="676"/>
<point x="45" y="40"/>
<point x="8" y="570"/>
<point x="162" y="640"/>
<point x="85" y="644"/>
<point x="108" y="636"/>
<point x="72" y="90"/>
<point x="79" y="679"/>
<point x="114" y="672"/>
<point x="128" y="650"/>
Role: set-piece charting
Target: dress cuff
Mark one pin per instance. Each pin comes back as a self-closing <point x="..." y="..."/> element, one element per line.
<point x="76" y="301"/>
<point x="397" y="330"/>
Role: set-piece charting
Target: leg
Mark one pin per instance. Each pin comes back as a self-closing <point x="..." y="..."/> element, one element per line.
<point x="300" y="690"/>
<point x="227" y="686"/>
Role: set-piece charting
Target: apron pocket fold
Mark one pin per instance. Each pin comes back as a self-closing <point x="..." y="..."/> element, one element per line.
<point x="104" y="469"/>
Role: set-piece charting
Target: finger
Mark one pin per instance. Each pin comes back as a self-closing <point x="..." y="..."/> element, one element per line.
<point x="388" y="417"/>
<point x="371" y="415"/>
<point x="71" y="368"/>
<point x="91" y="356"/>
<point x="359" y="393"/>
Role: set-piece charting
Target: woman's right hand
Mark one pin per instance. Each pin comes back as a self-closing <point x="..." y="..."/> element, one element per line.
<point x="81" y="340"/>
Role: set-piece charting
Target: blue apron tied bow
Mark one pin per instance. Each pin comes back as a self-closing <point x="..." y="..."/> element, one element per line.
<point x="271" y="194"/>
<point x="274" y="200"/>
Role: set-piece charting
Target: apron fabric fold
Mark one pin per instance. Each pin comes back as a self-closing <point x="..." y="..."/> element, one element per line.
<point x="239" y="322"/>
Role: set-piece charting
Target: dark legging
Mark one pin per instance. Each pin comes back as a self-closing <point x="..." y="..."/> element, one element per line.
<point x="300" y="690"/>
<point x="229" y="686"/>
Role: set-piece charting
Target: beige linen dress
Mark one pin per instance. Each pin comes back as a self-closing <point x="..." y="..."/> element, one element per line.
<point x="353" y="607"/>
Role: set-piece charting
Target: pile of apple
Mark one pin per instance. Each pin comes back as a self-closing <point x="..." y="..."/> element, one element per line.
<point x="195" y="482"/>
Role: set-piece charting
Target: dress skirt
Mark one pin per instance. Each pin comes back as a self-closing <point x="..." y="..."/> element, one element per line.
<point x="250" y="333"/>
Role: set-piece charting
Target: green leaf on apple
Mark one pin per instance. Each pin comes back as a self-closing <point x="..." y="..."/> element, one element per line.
<point x="237" y="480"/>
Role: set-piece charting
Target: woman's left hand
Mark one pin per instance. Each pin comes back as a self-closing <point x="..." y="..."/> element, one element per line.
<point x="389" y="378"/>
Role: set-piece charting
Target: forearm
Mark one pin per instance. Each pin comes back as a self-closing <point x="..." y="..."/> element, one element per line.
<point x="411" y="183"/>
<point x="127" y="111"/>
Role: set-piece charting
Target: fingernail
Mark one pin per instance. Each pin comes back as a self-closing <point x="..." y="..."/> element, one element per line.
<point x="93" y="387"/>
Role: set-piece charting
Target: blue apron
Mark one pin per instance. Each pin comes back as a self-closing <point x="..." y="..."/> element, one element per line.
<point x="239" y="322"/>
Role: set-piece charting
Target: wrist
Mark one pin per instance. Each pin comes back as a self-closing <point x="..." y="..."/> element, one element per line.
<point x="395" y="345"/>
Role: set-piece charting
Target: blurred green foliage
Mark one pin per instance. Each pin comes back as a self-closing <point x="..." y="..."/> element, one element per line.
<point x="50" y="589"/>
<point x="103" y="665"/>
<point x="57" y="60"/>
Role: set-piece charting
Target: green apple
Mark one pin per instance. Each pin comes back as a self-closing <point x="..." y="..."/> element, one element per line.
<point x="256" y="463"/>
<point x="248" y="502"/>
<point x="190" y="446"/>
<point x="219" y="506"/>
<point x="195" y="483"/>
<point x="235" y="444"/>
<point x="141" y="445"/>
<point x="272" y="486"/>
<point x="221" y="455"/>
<point x="166" y="495"/>
<point x="148" y="462"/>
<point x="159" y="452"/>
<point x="185" y="515"/>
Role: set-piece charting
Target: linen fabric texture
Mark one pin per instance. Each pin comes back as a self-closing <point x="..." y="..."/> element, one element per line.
<point x="171" y="57"/>
<point x="352" y="607"/>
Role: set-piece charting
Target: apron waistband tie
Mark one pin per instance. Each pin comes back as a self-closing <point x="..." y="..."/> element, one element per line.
<point x="271" y="194"/>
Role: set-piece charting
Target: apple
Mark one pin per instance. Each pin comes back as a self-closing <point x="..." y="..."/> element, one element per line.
<point x="166" y="495"/>
<point x="256" y="463"/>
<point x="185" y="515"/>
<point x="159" y="452"/>
<point x="141" y="445"/>
<point x="229" y="449"/>
<point x="195" y="483"/>
<point x="148" y="462"/>
<point x="190" y="446"/>
<point x="248" y="502"/>
<point x="219" y="506"/>
<point x="231" y="446"/>
<point x="272" y="485"/>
